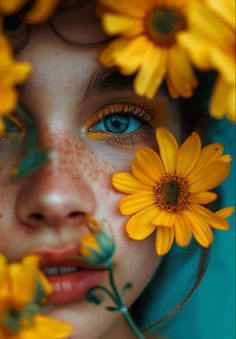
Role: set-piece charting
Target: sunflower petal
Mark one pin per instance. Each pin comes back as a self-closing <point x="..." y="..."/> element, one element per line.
<point x="182" y="231"/>
<point x="200" y="229"/>
<point x="202" y="197"/>
<point x="140" y="226"/>
<point x="141" y="175"/>
<point x="164" y="240"/>
<point x="208" y="178"/>
<point x="136" y="202"/>
<point x="188" y="154"/>
<point x="150" y="163"/>
<point x="126" y="183"/>
<point x="117" y="24"/>
<point x="208" y="155"/>
<point x="180" y="71"/>
<point x="168" y="149"/>
<point x="164" y="219"/>
<point x="211" y="218"/>
<point x="225" y="212"/>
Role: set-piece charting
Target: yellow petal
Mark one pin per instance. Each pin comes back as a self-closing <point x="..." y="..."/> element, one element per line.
<point x="132" y="52"/>
<point x="202" y="197"/>
<point x="126" y="183"/>
<point x="208" y="155"/>
<point x="118" y="24"/>
<point x="136" y="202"/>
<point x="158" y="73"/>
<point x="164" y="240"/>
<point x="225" y="212"/>
<point x="225" y="9"/>
<point x="168" y="149"/>
<point x="106" y="56"/>
<point x="180" y="71"/>
<point x="8" y="100"/>
<point x="150" y="163"/>
<point x="182" y="231"/>
<point x="214" y="220"/>
<point x="46" y="327"/>
<point x="41" y="11"/>
<point x="200" y="229"/>
<point x="141" y="175"/>
<point x="9" y="7"/>
<point x="188" y="154"/>
<point x="210" y="177"/>
<point x="4" y="283"/>
<point x="135" y="9"/>
<point x="164" y="219"/>
<point x="226" y="158"/>
<point x="140" y="226"/>
<point x="206" y="22"/>
<point x="223" y="100"/>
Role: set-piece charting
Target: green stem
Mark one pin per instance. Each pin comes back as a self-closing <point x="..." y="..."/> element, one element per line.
<point x="103" y="289"/>
<point x="121" y="305"/>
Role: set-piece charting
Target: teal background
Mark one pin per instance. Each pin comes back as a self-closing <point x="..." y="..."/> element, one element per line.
<point x="210" y="313"/>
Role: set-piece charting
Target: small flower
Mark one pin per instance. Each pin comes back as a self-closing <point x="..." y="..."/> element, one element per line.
<point x="95" y="246"/>
<point x="40" y="11"/>
<point x="12" y="73"/>
<point x="148" y="44"/>
<point x="210" y="42"/>
<point x="23" y="288"/>
<point x="166" y="192"/>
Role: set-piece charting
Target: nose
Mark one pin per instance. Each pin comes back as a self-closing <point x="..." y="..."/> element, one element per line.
<point x="52" y="198"/>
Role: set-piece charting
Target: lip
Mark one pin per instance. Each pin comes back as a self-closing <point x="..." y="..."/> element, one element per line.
<point x="69" y="287"/>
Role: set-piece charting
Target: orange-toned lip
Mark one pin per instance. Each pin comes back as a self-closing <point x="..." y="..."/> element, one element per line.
<point x="62" y="256"/>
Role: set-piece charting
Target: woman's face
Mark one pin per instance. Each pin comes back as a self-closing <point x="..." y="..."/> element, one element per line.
<point x="77" y="107"/>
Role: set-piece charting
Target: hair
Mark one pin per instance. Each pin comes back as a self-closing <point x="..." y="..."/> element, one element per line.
<point x="194" y="114"/>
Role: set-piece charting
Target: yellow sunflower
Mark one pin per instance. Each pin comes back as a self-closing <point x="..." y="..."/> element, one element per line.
<point x="12" y="73"/>
<point x="210" y="42"/>
<point x="166" y="192"/>
<point x="22" y="289"/>
<point x="148" y="44"/>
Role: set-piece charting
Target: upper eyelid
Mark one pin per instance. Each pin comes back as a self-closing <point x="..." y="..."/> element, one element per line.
<point x="138" y="110"/>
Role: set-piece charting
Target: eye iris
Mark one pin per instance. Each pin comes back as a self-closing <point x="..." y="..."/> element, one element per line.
<point x="117" y="123"/>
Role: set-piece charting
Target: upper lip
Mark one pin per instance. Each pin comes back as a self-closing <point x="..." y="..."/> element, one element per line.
<point x="62" y="257"/>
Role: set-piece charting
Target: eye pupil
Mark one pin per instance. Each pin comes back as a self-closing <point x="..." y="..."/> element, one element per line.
<point x="117" y="123"/>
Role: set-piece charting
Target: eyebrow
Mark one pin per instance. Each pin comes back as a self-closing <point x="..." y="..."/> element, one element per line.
<point x="104" y="81"/>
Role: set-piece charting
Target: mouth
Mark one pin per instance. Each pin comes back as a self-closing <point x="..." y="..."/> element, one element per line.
<point x="70" y="278"/>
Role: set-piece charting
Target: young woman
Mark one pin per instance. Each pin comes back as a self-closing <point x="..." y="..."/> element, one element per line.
<point x="91" y="122"/>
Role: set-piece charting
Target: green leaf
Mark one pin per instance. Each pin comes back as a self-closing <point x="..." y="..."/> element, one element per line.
<point x="30" y="163"/>
<point x="92" y="297"/>
<point x="112" y="308"/>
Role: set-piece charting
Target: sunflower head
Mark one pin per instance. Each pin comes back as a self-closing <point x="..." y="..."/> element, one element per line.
<point x="167" y="191"/>
<point x="163" y="23"/>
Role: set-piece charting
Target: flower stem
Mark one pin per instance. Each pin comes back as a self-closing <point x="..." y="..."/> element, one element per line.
<point x="121" y="305"/>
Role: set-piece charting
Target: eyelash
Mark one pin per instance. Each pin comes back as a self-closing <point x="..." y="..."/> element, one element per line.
<point x="125" y="109"/>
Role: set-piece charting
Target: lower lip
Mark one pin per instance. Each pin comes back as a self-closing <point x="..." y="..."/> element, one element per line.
<point x="71" y="287"/>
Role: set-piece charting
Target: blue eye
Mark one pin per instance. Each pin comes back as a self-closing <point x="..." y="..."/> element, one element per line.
<point x="120" y="124"/>
<point x="117" y="123"/>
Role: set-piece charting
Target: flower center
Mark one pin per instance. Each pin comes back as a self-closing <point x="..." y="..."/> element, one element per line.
<point x="162" y="25"/>
<point x="172" y="193"/>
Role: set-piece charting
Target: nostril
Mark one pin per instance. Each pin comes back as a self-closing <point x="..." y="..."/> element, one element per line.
<point x="74" y="215"/>
<point x="37" y="216"/>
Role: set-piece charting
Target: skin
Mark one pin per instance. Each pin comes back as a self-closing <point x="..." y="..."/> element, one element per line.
<point x="77" y="178"/>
